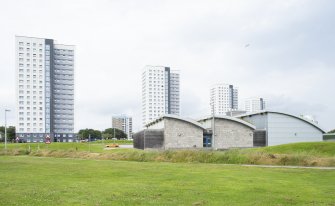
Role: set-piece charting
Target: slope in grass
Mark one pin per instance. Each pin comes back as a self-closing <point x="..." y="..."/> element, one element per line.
<point x="322" y="149"/>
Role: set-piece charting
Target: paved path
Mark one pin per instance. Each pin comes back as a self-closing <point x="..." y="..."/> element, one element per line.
<point x="292" y="167"/>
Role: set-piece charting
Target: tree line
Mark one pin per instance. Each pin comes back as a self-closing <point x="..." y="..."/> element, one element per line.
<point x="108" y="133"/>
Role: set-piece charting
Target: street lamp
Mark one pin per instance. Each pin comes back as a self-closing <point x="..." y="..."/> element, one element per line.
<point x="6" y="110"/>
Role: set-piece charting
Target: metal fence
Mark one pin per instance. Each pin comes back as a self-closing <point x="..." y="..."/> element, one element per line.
<point x="259" y="138"/>
<point x="153" y="139"/>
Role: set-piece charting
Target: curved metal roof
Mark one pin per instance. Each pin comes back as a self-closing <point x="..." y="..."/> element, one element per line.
<point x="231" y="119"/>
<point x="291" y="115"/>
<point x="175" y="117"/>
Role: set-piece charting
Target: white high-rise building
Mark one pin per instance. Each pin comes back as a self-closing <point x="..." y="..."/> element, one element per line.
<point x="123" y="123"/>
<point x="44" y="90"/>
<point x="160" y="92"/>
<point x="254" y="104"/>
<point x="223" y="98"/>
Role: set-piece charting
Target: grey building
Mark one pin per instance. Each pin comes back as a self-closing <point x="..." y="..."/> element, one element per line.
<point x="170" y="132"/>
<point x="174" y="132"/>
<point x="282" y="128"/>
<point x="123" y="123"/>
<point x="229" y="132"/>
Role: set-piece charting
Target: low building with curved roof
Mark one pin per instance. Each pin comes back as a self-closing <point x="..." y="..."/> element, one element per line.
<point x="283" y="128"/>
<point x="173" y="132"/>
<point x="229" y="132"/>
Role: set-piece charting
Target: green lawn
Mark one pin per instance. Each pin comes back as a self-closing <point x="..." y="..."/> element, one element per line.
<point x="321" y="149"/>
<point x="26" y="180"/>
<point x="96" y="146"/>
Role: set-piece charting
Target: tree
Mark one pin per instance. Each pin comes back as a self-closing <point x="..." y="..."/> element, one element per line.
<point x="119" y="134"/>
<point x="85" y="133"/>
<point x="331" y="131"/>
<point x="10" y="133"/>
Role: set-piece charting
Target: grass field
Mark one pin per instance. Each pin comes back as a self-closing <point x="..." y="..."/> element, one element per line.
<point x="27" y="180"/>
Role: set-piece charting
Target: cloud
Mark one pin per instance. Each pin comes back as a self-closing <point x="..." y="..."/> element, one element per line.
<point x="289" y="57"/>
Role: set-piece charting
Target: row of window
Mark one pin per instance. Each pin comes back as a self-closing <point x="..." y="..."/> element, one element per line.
<point x="28" y="113"/>
<point x="28" y="44"/>
<point x="28" y="108"/>
<point x="28" y="81"/>
<point x="21" y="86"/>
<point x="21" y="70"/>
<point x="28" y="49"/>
<point x="27" y="103"/>
<point x="28" y="76"/>
<point x="28" y="124"/>
<point x="29" y="130"/>
<point x="34" y="119"/>
<point x="28" y="65"/>
<point x="21" y="59"/>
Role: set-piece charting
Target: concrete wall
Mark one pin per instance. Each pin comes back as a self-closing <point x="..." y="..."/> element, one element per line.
<point x="182" y="134"/>
<point x="157" y="125"/>
<point x="283" y="129"/>
<point x="230" y="134"/>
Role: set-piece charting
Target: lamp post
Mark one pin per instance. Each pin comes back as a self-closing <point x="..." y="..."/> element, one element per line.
<point x="213" y="126"/>
<point x="6" y="110"/>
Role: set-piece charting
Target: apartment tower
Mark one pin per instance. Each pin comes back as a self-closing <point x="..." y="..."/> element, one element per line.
<point x="254" y="104"/>
<point x="44" y="90"/>
<point x="160" y="92"/>
<point x="123" y="123"/>
<point x="223" y="98"/>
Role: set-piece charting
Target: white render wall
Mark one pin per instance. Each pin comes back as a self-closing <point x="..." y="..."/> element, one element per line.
<point x="283" y="129"/>
<point x="30" y="79"/>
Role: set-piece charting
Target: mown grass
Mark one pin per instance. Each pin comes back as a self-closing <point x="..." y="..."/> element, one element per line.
<point x="299" y="154"/>
<point x="27" y="180"/>
<point x="320" y="149"/>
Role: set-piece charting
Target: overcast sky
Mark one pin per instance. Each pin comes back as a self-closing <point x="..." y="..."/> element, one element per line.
<point x="281" y="50"/>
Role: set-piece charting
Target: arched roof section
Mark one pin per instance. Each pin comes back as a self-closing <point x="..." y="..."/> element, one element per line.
<point x="170" y="116"/>
<point x="234" y="119"/>
<point x="290" y="115"/>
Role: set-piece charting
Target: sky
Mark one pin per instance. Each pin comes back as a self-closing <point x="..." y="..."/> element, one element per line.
<point x="281" y="50"/>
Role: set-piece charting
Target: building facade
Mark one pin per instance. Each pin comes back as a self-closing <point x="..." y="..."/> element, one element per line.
<point x="254" y="104"/>
<point x="229" y="132"/>
<point x="160" y="92"/>
<point x="44" y="90"/>
<point x="223" y="98"/>
<point x="123" y="123"/>
<point x="170" y="132"/>
<point x="283" y="128"/>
